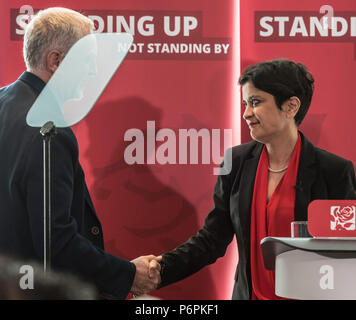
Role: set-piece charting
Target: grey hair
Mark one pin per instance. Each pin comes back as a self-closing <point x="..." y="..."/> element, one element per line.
<point x="53" y="28"/>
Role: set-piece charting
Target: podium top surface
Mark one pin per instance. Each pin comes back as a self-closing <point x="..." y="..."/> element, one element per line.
<point x="341" y="248"/>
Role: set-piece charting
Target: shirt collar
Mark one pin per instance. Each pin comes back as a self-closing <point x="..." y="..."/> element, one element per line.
<point x="33" y="81"/>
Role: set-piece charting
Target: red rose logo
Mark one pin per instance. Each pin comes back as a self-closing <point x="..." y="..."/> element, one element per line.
<point x="344" y="214"/>
<point x="342" y="218"/>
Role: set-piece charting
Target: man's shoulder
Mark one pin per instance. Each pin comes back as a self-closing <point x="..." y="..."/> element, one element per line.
<point x="16" y="91"/>
<point x="11" y="86"/>
<point x="5" y="91"/>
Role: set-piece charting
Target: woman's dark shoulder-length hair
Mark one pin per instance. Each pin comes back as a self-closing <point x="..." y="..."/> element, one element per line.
<point x="283" y="79"/>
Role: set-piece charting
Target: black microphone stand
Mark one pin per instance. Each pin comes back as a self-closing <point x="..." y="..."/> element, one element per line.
<point x="47" y="131"/>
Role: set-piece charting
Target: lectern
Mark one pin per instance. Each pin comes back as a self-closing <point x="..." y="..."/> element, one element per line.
<point x="312" y="268"/>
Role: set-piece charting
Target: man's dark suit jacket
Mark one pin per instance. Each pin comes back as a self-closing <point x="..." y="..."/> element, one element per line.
<point x="77" y="238"/>
<point x="321" y="175"/>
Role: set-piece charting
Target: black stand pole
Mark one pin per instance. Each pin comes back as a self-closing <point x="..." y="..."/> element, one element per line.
<point x="47" y="131"/>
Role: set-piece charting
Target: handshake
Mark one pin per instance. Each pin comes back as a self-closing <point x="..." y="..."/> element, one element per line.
<point x="148" y="274"/>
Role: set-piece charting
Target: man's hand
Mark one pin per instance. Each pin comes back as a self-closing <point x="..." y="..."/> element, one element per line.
<point x="147" y="276"/>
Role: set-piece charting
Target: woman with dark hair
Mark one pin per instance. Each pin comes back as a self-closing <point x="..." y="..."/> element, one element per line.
<point x="272" y="181"/>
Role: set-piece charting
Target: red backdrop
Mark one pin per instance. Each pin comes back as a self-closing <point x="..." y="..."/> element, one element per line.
<point x="152" y="208"/>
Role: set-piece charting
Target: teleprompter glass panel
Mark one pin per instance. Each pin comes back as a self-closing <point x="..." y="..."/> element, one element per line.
<point x="79" y="80"/>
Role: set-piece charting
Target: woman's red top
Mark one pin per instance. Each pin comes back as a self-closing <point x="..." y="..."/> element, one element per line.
<point x="270" y="219"/>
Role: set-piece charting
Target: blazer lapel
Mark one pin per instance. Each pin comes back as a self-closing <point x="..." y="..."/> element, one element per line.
<point x="246" y="187"/>
<point x="305" y="179"/>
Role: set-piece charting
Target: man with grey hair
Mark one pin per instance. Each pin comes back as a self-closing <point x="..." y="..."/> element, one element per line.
<point x="77" y="239"/>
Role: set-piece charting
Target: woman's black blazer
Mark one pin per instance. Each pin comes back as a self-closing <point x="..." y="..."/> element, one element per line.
<point x="321" y="175"/>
